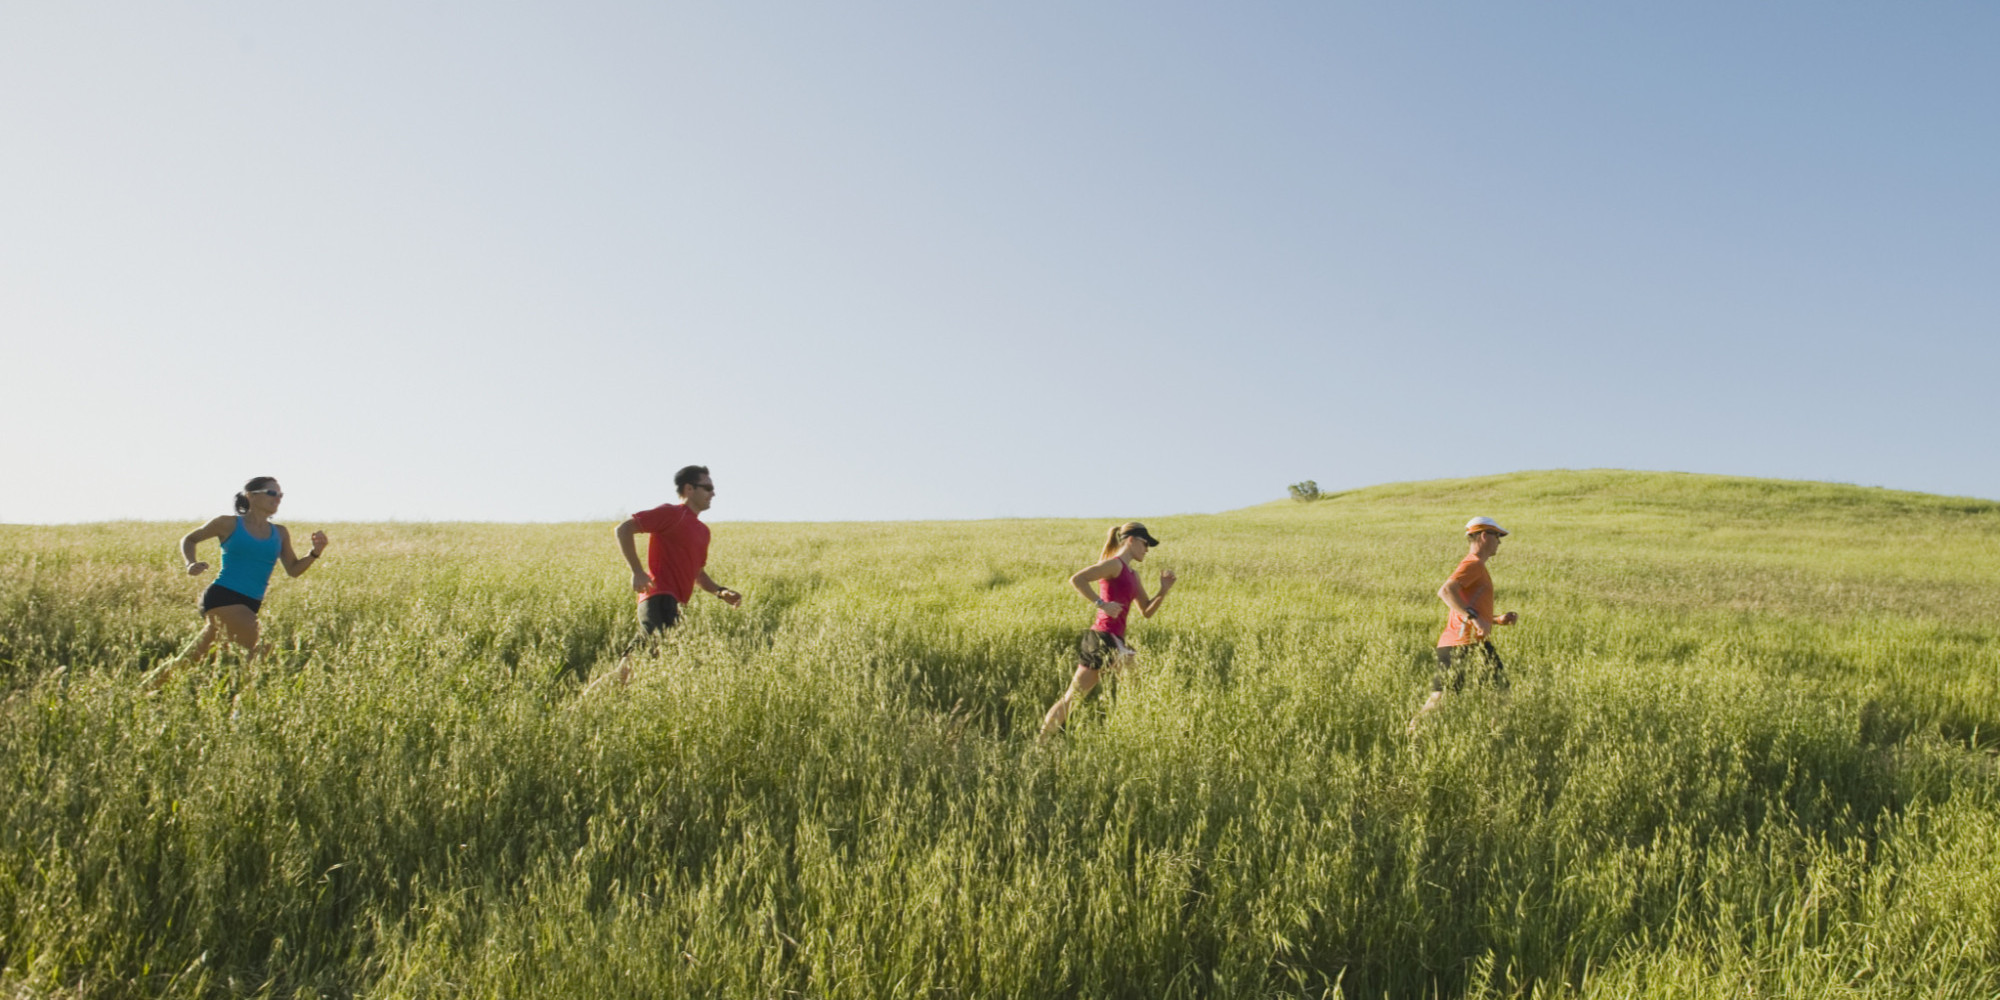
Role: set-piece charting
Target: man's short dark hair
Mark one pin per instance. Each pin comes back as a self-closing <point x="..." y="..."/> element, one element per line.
<point x="688" y="477"/>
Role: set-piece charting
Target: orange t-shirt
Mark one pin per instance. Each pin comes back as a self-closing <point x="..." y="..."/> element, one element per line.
<point x="1475" y="589"/>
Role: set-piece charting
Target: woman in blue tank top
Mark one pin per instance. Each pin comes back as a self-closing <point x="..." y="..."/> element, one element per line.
<point x="252" y="546"/>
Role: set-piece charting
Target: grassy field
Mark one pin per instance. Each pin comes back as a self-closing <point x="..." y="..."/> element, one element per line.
<point x="1748" y="752"/>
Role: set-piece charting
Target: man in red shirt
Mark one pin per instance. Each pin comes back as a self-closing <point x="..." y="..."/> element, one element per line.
<point x="676" y="554"/>
<point x="1468" y="592"/>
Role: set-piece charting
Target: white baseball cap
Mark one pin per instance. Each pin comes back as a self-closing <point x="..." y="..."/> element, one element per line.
<point x="1485" y="524"/>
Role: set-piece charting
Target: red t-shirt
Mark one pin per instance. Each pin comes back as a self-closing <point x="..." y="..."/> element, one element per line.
<point x="677" y="550"/>
<point x="1475" y="590"/>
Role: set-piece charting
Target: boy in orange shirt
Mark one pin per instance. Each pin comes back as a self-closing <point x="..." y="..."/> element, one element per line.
<point x="1468" y="592"/>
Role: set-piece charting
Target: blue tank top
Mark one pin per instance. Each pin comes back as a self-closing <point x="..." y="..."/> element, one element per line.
<point x="247" y="561"/>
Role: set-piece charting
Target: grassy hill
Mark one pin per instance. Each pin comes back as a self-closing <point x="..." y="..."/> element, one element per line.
<point x="1747" y="750"/>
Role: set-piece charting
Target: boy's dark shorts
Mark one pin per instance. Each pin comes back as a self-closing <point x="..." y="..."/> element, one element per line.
<point x="222" y="597"/>
<point x="657" y="612"/>
<point x="1454" y="662"/>
<point x="1097" y="649"/>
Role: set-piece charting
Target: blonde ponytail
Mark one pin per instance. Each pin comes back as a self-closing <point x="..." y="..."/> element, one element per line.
<point x="1111" y="540"/>
<point x="1118" y="534"/>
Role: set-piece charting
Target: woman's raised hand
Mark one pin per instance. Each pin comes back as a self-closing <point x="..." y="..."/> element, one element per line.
<point x="197" y="568"/>
<point x="318" y="542"/>
<point x="1167" y="579"/>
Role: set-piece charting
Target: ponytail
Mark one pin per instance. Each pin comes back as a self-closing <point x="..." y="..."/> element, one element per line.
<point x="1130" y="529"/>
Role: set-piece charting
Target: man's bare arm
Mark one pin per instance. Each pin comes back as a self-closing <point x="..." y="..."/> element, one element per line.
<point x="641" y="582"/>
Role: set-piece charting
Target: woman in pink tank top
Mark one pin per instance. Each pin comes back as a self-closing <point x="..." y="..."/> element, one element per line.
<point x="1118" y="591"/>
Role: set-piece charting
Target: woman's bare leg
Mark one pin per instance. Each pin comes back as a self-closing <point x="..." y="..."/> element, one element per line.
<point x="236" y="623"/>
<point x="240" y="625"/>
<point x="1122" y="663"/>
<point x="192" y="653"/>
<point x="1079" y="686"/>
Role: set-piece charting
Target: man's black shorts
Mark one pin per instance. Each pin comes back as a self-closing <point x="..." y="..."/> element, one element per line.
<point x="222" y="597"/>
<point x="657" y="612"/>
<point x="1453" y="664"/>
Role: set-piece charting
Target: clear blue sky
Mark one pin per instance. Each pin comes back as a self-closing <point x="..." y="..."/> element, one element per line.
<point x="520" y="262"/>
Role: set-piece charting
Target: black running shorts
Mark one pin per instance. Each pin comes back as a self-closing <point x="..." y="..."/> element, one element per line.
<point x="222" y="597"/>
<point x="657" y="612"/>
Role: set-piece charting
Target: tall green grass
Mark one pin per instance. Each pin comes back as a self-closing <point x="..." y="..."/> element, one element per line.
<point x="1748" y="751"/>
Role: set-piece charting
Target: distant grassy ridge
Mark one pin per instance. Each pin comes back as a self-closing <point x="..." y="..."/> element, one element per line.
<point x="1748" y="751"/>
<point x="1883" y="542"/>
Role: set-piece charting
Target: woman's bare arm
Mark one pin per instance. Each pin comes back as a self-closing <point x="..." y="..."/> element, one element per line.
<point x="295" y="565"/>
<point x="1091" y="574"/>
<point x="217" y="529"/>
<point x="1148" y="605"/>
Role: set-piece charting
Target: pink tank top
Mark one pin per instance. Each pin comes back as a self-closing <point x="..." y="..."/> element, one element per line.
<point x="1121" y="589"/>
